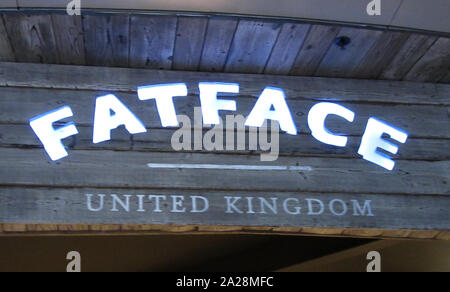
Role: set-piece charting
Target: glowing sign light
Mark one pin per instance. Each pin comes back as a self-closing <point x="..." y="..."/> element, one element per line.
<point x="372" y="140"/>
<point x="272" y="97"/>
<point x="164" y="94"/>
<point x="104" y="122"/>
<point x="316" y="122"/>
<point x="211" y="105"/>
<point x="110" y="113"/>
<point x="51" y="138"/>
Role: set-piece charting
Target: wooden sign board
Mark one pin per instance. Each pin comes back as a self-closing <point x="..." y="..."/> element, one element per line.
<point x="141" y="179"/>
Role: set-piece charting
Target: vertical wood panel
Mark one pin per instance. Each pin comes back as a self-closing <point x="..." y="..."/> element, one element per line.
<point x="286" y="49"/>
<point x="152" y="41"/>
<point x="340" y="62"/>
<point x="69" y="39"/>
<point x="252" y="46"/>
<point x="32" y="38"/>
<point x="413" y="49"/>
<point x="314" y="49"/>
<point x="189" y="43"/>
<point x="380" y="55"/>
<point x="217" y="44"/>
<point x="434" y="65"/>
<point x="6" y="51"/>
<point x="106" y="40"/>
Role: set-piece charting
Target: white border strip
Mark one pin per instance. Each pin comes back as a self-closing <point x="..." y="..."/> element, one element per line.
<point x="229" y="167"/>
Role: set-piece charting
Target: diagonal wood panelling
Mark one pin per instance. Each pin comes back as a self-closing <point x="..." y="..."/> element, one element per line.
<point x="252" y="45"/>
<point x="152" y="41"/>
<point x="106" y="40"/>
<point x="223" y="44"/>
<point x="189" y="43"/>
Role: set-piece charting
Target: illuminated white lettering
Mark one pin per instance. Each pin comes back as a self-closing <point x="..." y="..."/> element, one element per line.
<point x="211" y="105"/>
<point x="51" y="137"/>
<point x="272" y="98"/>
<point x="372" y="140"/>
<point x="164" y="94"/>
<point x="316" y="122"/>
<point x="104" y="122"/>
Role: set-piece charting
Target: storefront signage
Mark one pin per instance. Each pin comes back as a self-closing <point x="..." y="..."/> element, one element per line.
<point x="111" y="112"/>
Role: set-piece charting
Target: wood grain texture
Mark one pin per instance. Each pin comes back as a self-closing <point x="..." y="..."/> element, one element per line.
<point x="152" y="41"/>
<point x="252" y="45"/>
<point x="413" y="49"/>
<point x="217" y="45"/>
<point x="414" y="119"/>
<point x="189" y="43"/>
<point x="121" y="79"/>
<point x="107" y="40"/>
<point x="286" y="49"/>
<point x="316" y="45"/>
<point x="6" y="51"/>
<point x="31" y="167"/>
<point x="380" y="55"/>
<point x="32" y="38"/>
<point x="342" y="62"/>
<point x="434" y="65"/>
<point x="69" y="206"/>
<point x="304" y="145"/>
<point x="69" y="38"/>
<point x="149" y="230"/>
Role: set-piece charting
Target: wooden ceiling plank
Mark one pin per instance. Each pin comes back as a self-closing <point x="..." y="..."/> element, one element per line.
<point x="69" y="39"/>
<point x="6" y="51"/>
<point x="286" y="49"/>
<point x="152" y="41"/>
<point x="414" y="48"/>
<point x="32" y="38"/>
<point x="218" y="41"/>
<point x="434" y="65"/>
<point x="252" y="46"/>
<point x="380" y="55"/>
<point x="189" y="42"/>
<point x="314" y="49"/>
<point x="106" y="40"/>
<point x="342" y="62"/>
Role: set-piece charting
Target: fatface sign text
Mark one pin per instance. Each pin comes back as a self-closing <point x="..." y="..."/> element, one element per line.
<point x="111" y="112"/>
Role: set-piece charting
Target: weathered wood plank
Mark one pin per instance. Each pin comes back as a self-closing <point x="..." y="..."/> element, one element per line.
<point x="413" y="49"/>
<point x="32" y="38"/>
<point x="6" y="51"/>
<point x="316" y="45"/>
<point x="69" y="206"/>
<point x="189" y="43"/>
<point x="31" y="167"/>
<point x="380" y="55"/>
<point x="218" y="41"/>
<point x="417" y="120"/>
<point x="106" y="40"/>
<point x="446" y="79"/>
<point x="121" y="79"/>
<point x="152" y="41"/>
<point x="286" y="48"/>
<point x="69" y="39"/>
<point x="303" y="145"/>
<point x="252" y="45"/>
<point x="342" y="62"/>
<point x="434" y="65"/>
